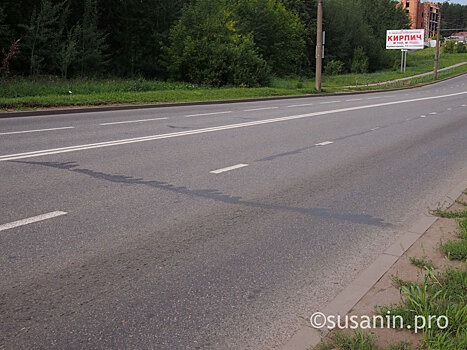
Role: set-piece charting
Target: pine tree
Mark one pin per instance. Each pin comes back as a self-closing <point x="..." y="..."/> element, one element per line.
<point x="92" y="41"/>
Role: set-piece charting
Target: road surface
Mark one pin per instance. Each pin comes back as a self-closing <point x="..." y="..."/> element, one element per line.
<point x="211" y="227"/>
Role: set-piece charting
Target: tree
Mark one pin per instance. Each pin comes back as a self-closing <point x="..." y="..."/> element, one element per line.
<point x="306" y="10"/>
<point x="44" y="35"/>
<point x="92" y="41"/>
<point x="361" y="24"/>
<point x="277" y="32"/>
<point x="453" y="17"/>
<point x="207" y="48"/>
<point x="69" y="50"/>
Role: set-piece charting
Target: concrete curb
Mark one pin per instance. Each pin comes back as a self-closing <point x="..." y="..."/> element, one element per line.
<point x="308" y="338"/>
<point x="71" y="110"/>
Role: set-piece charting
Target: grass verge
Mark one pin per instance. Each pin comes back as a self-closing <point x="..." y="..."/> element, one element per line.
<point x="436" y="295"/>
<point x="23" y="94"/>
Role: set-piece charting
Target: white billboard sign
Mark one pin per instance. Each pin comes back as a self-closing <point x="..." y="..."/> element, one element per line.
<point x="405" y="39"/>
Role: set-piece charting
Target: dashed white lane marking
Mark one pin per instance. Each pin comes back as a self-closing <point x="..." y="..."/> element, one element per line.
<point x="133" y="121"/>
<point x="37" y="130"/>
<point x="119" y="142"/>
<point x="230" y="168"/>
<point x="260" y="109"/>
<point x="325" y="143"/>
<point x="302" y="105"/>
<point x="463" y="105"/>
<point x="423" y="116"/>
<point x="328" y="102"/>
<point x="449" y="109"/>
<point x="433" y="113"/>
<point x="31" y="220"/>
<point x="374" y="98"/>
<point x="375" y="128"/>
<point x="204" y="114"/>
<point x="354" y="99"/>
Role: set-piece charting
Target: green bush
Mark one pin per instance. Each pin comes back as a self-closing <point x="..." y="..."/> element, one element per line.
<point x="454" y="47"/>
<point x="334" y="67"/>
<point x="360" y="61"/>
<point x="461" y="48"/>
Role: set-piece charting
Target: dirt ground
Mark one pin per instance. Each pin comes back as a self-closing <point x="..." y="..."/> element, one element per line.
<point x="384" y="292"/>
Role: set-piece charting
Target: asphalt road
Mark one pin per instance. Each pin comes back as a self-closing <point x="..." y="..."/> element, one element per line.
<point x="211" y="227"/>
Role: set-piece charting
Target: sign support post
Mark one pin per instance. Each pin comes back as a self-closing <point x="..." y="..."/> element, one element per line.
<point x="319" y="45"/>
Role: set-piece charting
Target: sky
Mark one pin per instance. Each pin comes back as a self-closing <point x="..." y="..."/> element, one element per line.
<point x="463" y="2"/>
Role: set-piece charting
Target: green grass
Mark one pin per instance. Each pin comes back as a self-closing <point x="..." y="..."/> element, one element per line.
<point x="450" y="214"/>
<point x="47" y="92"/>
<point x="359" y="340"/>
<point x="457" y="249"/>
<point x="442" y="293"/>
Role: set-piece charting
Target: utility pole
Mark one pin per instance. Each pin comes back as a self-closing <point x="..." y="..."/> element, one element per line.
<point x="438" y="31"/>
<point x="319" y="45"/>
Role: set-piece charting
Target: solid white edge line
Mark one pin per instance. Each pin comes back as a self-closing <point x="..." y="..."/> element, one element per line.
<point x="211" y="129"/>
<point x="204" y="114"/>
<point x="233" y="167"/>
<point x="133" y="121"/>
<point x="37" y="130"/>
<point x="31" y="220"/>
<point x="325" y="143"/>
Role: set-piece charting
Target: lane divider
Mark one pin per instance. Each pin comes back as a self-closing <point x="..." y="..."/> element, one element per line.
<point x="37" y="130"/>
<point x="230" y="168"/>
<point x="133" y="121"/>
<point x="325" y="143"/>
<point x="205" y="114"/>
<point x="211" y="129"/>
<point x="31" y="220"/>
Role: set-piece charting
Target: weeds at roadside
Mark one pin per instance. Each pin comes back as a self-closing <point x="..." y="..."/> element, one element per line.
<point x="457" y="249"/>
<point x="439" y="294"/>
<point x="449" y="214"/>
<point x="399" y="282"/>
<point x="359" y="340"/>
<point x="422" y="263"/>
